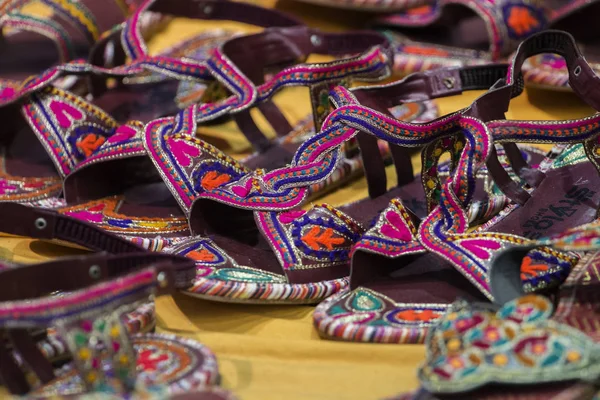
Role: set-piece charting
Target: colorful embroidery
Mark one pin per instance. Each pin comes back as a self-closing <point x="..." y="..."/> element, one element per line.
<point x="472" y="347"/>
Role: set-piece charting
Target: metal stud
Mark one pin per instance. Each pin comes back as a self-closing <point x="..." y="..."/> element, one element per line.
<point x="449" y="82"/>
<point x="162" y="279"/>
<point x="315" y="40"/>
<point x="95" y="272"/>
<point x="208" y="9"/>
<point x="41" y="223"/>
<point x="577" y="70"/>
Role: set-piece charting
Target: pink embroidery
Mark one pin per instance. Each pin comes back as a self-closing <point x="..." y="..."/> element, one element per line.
<point x="63" y="111"/>
<point x="122" y="134"/>
<point x="290" y="216"/>
<point x="397" y="228"/>
<point x="183" y="152"/>
<point x="242" y="191"/>
<point x="480" y="247"/>
<point x="7" y="93"/>
<point x="85" y="215"/>
<point x="5" y="187"/>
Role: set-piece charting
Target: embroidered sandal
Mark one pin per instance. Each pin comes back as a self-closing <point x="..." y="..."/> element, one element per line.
<point x="405" y="274"/>
<point x="95" y="293"/>
<point x="70" y="129"/>
<point x="48" y="225"/>
<point x="265" y="249"/>
<point x="522" y="350"/>
<point x="449" y="33"/>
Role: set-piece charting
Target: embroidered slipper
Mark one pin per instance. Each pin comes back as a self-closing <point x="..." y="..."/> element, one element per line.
<point x="43" y="224"/>
<point x="369" y="5"/>
<point x="32" y="43"/>
<point x="405" y="275"/>
<point x="450" y="33"/>
<point x="70" y="129"/>
<point x="95" y="292"/>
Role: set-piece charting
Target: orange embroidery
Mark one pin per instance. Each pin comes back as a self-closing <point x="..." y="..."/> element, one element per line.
<point x="213" y="180"/>
<point x="412" y="315"/>
<point x="419" y="10"/>
<point x="521" y="20"/>
<point x="90" y="143"/>
<point x="527" y="269"/>
<point x="314" y="238"/>
<point x="202" y="255"/>
<point x="425" y="51"/>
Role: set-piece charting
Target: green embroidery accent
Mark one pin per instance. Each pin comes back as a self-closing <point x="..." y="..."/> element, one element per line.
<point x="364" y="301"/>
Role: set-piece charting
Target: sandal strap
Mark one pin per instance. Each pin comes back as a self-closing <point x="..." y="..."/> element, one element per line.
<point x="235" y="65"/>
<point x="38" y="223"/>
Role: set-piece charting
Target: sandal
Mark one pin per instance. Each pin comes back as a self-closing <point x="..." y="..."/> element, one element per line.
<point x="32" y="44"/>
<point x="70" y="129"/>
<point x="553" y="352"/>
<point x="96" y="291"/>
<point x="405" y="275"/>
<point x="457" y="32"/>
<point x="49" y="225"/>
<point x="264" y="249"/>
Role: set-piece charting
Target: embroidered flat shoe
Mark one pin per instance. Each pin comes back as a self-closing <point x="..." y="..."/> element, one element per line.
<point x="450" y="33"/>
<point x="51" y="130"/>
<point x="405" y="274"/>
<point x="96" y="291"/>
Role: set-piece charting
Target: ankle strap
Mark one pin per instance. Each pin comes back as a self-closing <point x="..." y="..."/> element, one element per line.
<point x="242" y="63"/>
<point x="38" y="223"/>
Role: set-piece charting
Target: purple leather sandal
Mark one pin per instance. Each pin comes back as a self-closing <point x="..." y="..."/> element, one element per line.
<point x="405" y="274"/>
<point x="528" y="348"/>
<point x="450" y="33"/>
<point x="96" y="291"/>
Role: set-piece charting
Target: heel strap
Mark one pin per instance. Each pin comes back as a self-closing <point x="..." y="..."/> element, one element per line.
<point x="38" y="223"/>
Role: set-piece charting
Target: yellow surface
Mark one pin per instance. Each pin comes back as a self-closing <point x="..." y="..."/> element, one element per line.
<point x="274" y="352"/>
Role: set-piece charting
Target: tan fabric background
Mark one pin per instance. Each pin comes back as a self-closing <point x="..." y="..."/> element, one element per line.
<point x="274" y="352"/>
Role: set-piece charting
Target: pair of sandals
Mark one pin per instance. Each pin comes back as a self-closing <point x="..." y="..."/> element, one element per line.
<point x="526" y="347"/>
<point x="432" y="34"/>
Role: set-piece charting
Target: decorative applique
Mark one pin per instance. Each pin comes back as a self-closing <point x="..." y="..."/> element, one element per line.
<point x="472" y="347"/>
